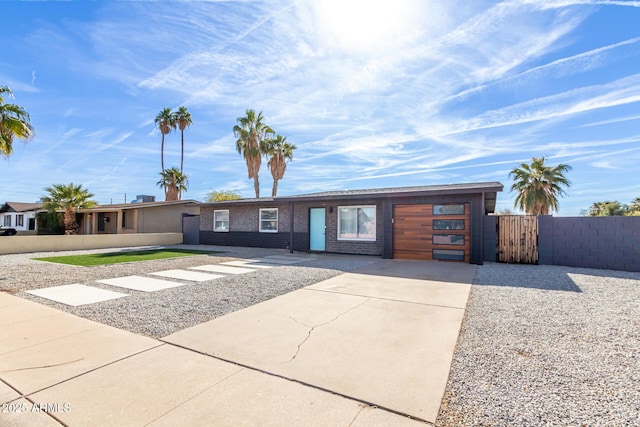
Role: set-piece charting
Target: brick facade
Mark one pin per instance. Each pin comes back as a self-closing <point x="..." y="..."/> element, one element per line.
<point x="294" y="212"/>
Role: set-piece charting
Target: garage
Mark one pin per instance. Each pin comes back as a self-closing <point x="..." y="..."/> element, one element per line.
<point x="432" y="231"/>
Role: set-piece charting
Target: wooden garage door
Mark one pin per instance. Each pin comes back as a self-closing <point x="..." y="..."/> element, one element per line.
<point x="432" y="231"/>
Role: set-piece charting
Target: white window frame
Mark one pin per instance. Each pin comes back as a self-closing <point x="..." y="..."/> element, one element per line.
<point x="20" y="220"/>
<point x="7" y="220"/>
<point x="261" y="220"/>
<point x="215" y="212"/>
<point x="359" y="239"/>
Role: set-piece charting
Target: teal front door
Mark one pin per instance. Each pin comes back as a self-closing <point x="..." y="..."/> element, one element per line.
<point x="316" y="229"/>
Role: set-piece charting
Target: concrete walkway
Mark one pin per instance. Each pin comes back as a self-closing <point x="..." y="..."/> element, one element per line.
<point x="367" y="348"/>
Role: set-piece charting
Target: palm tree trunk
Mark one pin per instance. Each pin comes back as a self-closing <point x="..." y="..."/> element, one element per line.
<point x="162" y="153"/>
<point x="256" y="186"/>
<point x="182" y="150"/>
<point x="274" y="190"/>
<point x="70" y="224"/>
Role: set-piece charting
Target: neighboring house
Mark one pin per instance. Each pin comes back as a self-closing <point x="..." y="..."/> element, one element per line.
<point x="437" y="222"/>
<point x="21" y="216"/>
<point x="141" y="217"/>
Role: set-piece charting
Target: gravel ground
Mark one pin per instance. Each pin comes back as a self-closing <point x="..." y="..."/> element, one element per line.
<point x="160" y="313"/>
<point x="547" y="346"/>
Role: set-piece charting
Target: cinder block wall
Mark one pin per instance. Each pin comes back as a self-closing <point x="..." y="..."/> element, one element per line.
<point x="596" y="242"/>
<point x="593" y="242"/>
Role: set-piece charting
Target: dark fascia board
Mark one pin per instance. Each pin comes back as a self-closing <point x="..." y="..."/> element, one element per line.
<point x="434" y="190"/>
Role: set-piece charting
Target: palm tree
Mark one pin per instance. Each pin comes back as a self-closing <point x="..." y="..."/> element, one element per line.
<point x="68" y="197"/>
<point x="252" y="135"/>
<point x="14" y="123"/>
<point x="166" y="123"/>
<point x="182" y="118"/>
<point x="280" y="151"/>
<point x="174" y="183"/>
<point x="219" y="196"/>
<point x="539" y="186"/>
<point x="608" y="208"/>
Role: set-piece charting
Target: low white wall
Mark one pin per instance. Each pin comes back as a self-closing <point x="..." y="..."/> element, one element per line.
<point x="25" y="244"/>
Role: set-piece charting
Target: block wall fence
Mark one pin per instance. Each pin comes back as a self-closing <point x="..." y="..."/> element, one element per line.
<point x="611" y="242"/>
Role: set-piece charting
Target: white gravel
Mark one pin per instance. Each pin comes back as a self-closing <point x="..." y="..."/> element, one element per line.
<point x="547" y="346"/>
<point x="160" y="313"/>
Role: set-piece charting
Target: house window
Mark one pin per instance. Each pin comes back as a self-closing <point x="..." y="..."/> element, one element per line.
<point x="124" y="219"/>
<point x="269" y="220"/>
<point x="357" y="223"/>
<point x="19" y="220"/>
<point x="7" y="220"/>
<point x="221" y="221"/>
<point x="448" y="209"/>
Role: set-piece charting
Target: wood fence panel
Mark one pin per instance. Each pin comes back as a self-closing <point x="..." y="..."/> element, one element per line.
<point x="518" y="239"/>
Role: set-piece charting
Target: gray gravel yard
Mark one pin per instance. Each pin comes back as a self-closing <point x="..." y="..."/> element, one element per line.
<point x="547" y="346"/>
<point x="160" y="313"/>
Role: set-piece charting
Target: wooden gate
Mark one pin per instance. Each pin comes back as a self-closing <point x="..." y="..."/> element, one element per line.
<point x="518" y="239"/>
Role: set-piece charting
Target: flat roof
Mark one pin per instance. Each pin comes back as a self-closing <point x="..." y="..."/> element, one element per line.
<point x="488" y="188"/>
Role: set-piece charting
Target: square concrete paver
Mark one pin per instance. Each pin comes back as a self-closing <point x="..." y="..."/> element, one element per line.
<point x="294" y="258"/>
<point x="279" y="261"/>
<point x="139" y="283"/>
<point x="76" y="294"/>
<point x="249" y="264"/>
<point x="226" y="269"/>
<point x="192" y="276"/>
<point x="137" y="390"/>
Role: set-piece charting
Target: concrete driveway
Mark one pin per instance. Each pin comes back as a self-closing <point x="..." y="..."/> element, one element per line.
<point x="372" y="347"/>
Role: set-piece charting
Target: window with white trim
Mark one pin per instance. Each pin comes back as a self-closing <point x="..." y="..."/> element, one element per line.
<point x="221" y="221"/>
<point x="20" y="220"/>
<point x="7" y="220"/>
<point x="269" y="220"/>
<point x="357" y="223"/>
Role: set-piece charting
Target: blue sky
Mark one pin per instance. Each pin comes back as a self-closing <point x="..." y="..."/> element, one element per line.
<point x="373" y="93"/>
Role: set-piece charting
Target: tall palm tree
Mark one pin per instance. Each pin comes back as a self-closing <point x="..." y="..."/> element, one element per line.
<point x="183" y="120"/>
<point x="281" y="152"/>
<point x="14" y="123"/>
<point x="69" y="197"/>
<point x="174" y="183"/>
<point x="539" y="186"/>
<point x="166" y="123"/>
<point x="252" y="134"/>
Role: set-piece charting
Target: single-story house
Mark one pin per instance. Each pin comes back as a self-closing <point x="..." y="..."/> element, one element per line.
<point x="436" y="222"/>
<point x="20" y="216"/>
<point x="140" y="217"/>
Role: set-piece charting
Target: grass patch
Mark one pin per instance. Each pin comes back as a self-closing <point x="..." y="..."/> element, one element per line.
<point x="125" y="256"/>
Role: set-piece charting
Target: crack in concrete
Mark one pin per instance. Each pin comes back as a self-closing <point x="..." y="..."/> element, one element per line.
<point x="46" y="366"/>
<point x="313" y="328"/>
